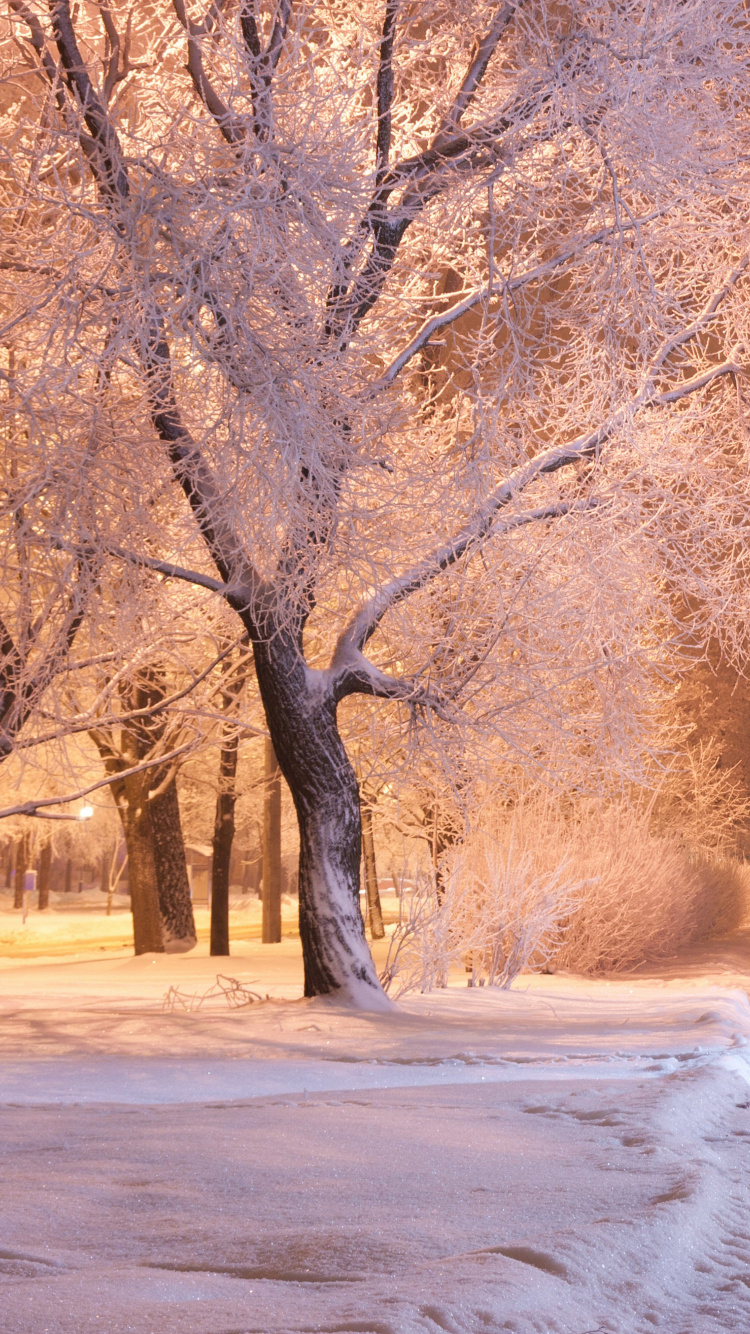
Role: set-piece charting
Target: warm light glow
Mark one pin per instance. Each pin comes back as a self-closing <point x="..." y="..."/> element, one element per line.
<point x="85" y="813"/>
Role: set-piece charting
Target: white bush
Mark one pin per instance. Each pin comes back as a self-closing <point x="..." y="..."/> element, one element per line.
<point x="591" y="890"/>
<point x="498" y="913"/>
<point x="646" y="896"/>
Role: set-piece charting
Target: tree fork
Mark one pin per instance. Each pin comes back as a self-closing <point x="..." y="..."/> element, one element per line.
<point x="300" y="707"/>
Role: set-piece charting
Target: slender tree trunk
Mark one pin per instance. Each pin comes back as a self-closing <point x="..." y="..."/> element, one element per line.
<point x="222" y="845"/>
<point x="235" y="677"/>
<point x="271" y="848"/>
<point x="374" y="910"/>
<point x="252" y="873"/>
<point x="22" y="866"/>
<point x="172" y="884"/>
<point x="301" y="713"/>
<point x="45" y="863"/>
<point x="445" y="833"/>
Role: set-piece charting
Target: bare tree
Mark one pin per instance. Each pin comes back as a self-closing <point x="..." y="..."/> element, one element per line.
<point x="250" y="231"/>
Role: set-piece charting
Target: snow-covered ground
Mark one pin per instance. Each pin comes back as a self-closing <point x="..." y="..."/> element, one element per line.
<point x="572" y="1155"/>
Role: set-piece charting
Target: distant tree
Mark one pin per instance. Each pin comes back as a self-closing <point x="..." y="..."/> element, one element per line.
<point x="148" y="806"/>
<point x="245" y="235"/>
<point x="234" y="678"/>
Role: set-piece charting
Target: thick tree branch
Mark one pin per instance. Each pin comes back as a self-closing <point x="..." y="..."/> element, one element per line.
<point x="262" y="63"/>
<point x="104" y="149"/>
<point x="352" y="671"/>
<point x="251" y="594"/>
<point x="350" y="302"/>
<point x="384" y="87"/>
<point x="189" y="467"/>
<point x="424" y="176"/>
<point x="171" y="571"/>
<point x="278" y="33"/>
<point x="37" y="41"/>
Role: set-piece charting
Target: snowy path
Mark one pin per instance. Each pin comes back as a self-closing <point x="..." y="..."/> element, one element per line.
<point x="566" y="1158"/>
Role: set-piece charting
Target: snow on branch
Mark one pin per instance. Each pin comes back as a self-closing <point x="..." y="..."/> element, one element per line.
<point x="354" y="672"/>
<point x="211" y="100"/>
<point x="509" y="286"/>
<point x="484" y="50"/>
<point x="38" y="807"/>
<point x="485" y="523"/>
<point x="171" y="571"/>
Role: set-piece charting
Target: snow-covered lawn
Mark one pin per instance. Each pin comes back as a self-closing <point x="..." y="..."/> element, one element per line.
<point x="572" y="1155"/>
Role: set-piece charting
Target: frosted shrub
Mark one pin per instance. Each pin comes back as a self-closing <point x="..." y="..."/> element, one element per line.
<point x="645" y="896"/>
<point x="499" y="912"/>
<point x="590" y="889"/>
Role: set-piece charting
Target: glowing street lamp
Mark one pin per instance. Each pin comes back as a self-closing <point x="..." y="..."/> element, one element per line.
<point x="85" y="813"/>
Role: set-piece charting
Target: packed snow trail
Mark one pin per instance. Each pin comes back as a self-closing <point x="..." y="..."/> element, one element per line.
<point x="568" y="1157"/>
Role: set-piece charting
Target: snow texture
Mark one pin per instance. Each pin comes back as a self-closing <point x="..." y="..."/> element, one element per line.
<point x="567" y="1157"/>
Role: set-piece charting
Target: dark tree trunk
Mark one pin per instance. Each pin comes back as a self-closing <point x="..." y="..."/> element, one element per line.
<point x="45" y="864"/>
<point x="22" y="866"/>
<point x="131" y="797"/>
<point x="374" y="910"/>
<point x="172" y="883"/>
<point x="271" y="848"/>
<point x="157" y="873"/>
<point x="300" y="708"/>
<point x="222" y="846"/>
<point x="221" y="861"/>
<point x="105" y="871"/>
<point x="221" y="856"/>
<point x="445" y="832"/>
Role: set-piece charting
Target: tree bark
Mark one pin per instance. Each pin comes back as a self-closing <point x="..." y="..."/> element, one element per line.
<point x="172" y="884"/>
<point x="300" y="707"/>
<point x="22" y="865"/>
<point x="157" y="872"/>
<point x="45" y="863"/>
<point x="235" y="677"/>
<point x="271" y="848"/>
<point x="132" y="803"/>
<point x="445" y="833"/>
<point x="374" y="910"/>
<point x="222" y="846"/>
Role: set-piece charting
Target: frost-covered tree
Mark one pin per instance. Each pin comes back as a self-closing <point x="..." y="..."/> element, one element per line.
<point x="359" y="315"/>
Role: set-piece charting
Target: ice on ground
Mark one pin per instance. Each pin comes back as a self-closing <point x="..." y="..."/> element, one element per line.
<point x="566" y="1157"/>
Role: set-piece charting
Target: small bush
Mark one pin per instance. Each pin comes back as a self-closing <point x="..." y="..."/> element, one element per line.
<point x="498" y="913"/>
